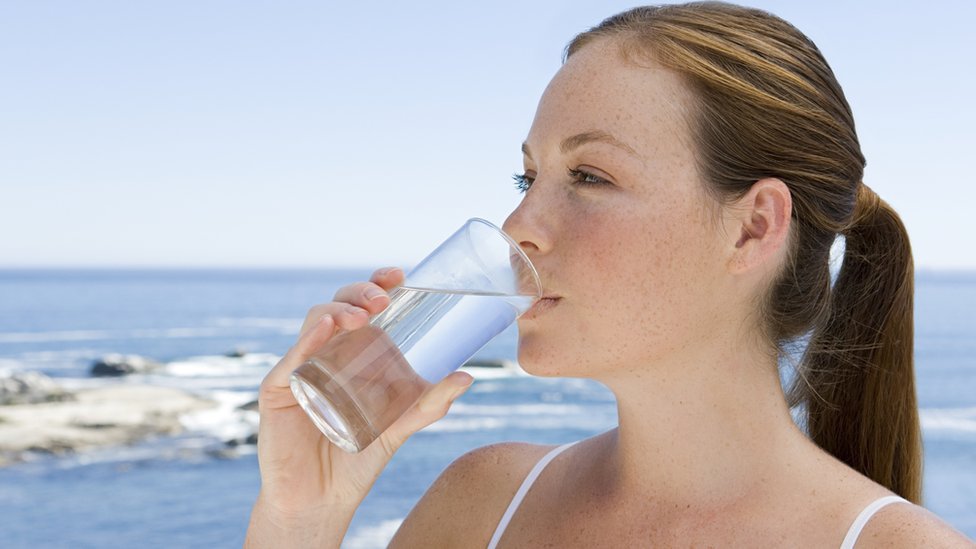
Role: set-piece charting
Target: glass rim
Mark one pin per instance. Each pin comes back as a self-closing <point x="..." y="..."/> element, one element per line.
<point x="518" y="249"/>
<point x="513" y="245"/>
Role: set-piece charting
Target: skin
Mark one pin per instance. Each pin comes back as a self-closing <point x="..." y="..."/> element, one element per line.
<point x="656" y="287"/>
<point x="309" y="487"/>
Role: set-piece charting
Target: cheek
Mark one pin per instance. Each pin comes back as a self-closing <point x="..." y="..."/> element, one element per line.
<point x="638" y="275"/>
<point x="633" y="277"/>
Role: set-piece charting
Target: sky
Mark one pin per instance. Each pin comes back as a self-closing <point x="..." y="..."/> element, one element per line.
<point x="361" y="134"/>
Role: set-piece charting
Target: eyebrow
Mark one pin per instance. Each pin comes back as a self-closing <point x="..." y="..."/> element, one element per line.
<point x="596" y="136"/>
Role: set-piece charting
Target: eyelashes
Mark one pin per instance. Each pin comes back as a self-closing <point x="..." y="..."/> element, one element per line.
<point x="522" y="181"/>
<point x="580" y="178"/>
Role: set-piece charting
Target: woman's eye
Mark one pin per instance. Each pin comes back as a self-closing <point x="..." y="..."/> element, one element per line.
<point x="522" y="181"/>
<point x="579" y="178"/>
<point x="584" y="179"/>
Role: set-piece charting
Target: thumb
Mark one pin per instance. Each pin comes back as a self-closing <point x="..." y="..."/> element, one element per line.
<point x="432" y="406"/>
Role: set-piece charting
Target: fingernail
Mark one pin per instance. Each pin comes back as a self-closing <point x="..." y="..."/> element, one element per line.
<point x="372" y="293"/>
<point x="322" y="320"/>
<point x="387" y="271"/>
<point x="459" y="392"/>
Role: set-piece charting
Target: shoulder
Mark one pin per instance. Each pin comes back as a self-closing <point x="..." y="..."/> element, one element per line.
<point x="501" y="460"/>
<point x="909" y="525"/>
<point x="471" y="495"/>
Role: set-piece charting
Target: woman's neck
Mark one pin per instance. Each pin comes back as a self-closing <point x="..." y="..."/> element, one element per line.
<point x="704" y="427"/>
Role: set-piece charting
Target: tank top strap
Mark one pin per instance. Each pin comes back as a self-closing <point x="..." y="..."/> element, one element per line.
<point x="862" y="519"/>
<point x="523" y="490"/>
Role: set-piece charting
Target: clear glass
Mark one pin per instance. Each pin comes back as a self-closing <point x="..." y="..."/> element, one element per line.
<point x="458" y="298"/>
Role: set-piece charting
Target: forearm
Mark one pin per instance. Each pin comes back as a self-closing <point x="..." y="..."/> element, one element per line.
<point x="323" y="529"/>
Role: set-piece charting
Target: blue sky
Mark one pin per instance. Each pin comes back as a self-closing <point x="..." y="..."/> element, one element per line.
<point x="281" y="134"/>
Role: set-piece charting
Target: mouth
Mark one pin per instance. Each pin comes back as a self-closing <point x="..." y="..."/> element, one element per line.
<point x="544" y="304"/>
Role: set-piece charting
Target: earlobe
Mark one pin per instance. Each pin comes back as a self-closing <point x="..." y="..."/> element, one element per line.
<point x="763" y="225"/>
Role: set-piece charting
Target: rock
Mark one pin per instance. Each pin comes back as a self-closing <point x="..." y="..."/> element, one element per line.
<point x="100" y="417"/>
<point x="114" y="365"/>
<point x="250" y="439"/>
<point x="30" y="388"/>
<point x="236" y="352"/>
<point x="490" y="363"/>
<point x="251" y="406"/>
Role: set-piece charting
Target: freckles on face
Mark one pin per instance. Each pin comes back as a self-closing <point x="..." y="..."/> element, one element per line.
<point x="636" y="279"/>
<point x="629" y="258"/>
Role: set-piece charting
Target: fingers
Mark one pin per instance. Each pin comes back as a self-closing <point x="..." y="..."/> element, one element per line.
<point x="350" y="310"/>
<point x="372" y="296"/>
<point x="432" y="406"/>
<point x="308" y="343"/>
<point x="354" y="304"/>
<point x="388" y="278"/>
<point x="346" y="315"/>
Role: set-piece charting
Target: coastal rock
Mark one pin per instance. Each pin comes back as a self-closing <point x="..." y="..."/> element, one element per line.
<point x="250" y="439"/>
<point x="29" y="388"/>
<point x="490" y="363"/>
<point x="250" y="406"/>
<point x="115" y="365"/>
<point x="106" y="416"/>
<point x="236" y="352"/>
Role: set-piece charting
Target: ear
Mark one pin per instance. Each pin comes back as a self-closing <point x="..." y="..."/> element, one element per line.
<point x="759" y="226"/>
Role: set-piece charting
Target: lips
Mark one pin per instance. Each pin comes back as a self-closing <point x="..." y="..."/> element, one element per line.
<point x="544" y="304"/>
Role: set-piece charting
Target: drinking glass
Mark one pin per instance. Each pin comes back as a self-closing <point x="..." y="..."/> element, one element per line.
<point x="469" y="289"/>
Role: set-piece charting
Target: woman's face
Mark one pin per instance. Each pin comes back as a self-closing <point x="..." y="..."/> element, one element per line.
<point x="615" y="221"/>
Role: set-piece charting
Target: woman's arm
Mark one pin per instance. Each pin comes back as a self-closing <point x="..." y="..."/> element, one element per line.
<point x="309" y="487"/>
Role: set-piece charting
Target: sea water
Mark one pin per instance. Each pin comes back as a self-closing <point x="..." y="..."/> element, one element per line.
<point x="363" y="380"/>
<point x="171" y="492"/>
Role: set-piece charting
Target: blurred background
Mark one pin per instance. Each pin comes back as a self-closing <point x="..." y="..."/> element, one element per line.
<point x="180" y="181"/>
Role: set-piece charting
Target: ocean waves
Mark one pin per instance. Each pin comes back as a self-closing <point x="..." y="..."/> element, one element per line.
<point x="954" y="423"/>
<point x="218" y="327"/>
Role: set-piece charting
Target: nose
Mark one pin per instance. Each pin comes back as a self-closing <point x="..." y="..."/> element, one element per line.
<point x="527" y="226"/>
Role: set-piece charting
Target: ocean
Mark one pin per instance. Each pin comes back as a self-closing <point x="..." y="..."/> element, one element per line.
<point x="190" y="491"/>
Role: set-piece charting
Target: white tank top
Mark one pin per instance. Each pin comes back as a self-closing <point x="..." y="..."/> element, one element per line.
<point x="852" y="533"/>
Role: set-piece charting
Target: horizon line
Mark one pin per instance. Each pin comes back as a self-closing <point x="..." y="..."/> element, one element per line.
<point x="344" y="267"/>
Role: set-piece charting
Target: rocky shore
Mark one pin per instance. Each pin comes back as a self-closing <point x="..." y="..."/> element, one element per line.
<point x="116" y="414"/>
<point x="128" y="398"/>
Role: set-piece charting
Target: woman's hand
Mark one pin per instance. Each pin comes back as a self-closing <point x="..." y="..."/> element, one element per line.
<point x="310" y="488"/>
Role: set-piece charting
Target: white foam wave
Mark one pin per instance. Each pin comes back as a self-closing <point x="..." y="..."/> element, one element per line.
<point x="948" y="421"/>
<point x="592" y="422"/>
<point x="225" y="421"/>
<point x="532" y="417"/>
<point x="520" y="409"/>
<point x="223" y="327"/>
<point x="64" y="355"/>
<point x="454" y="425"/>
<point x="372" y="536"/>
<point x="7" y="366"/>
<point x="64" y="335"/>
<point x="283" y="325"/>
<point x="221" y="366"/>
<point x="204" y="384"/>
<point x="479" y="372"/>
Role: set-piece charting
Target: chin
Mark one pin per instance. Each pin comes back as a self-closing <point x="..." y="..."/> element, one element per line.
<point x="543" y="361"/>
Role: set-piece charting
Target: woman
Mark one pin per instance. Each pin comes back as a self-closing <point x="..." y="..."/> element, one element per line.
<point x="686" y="173"/>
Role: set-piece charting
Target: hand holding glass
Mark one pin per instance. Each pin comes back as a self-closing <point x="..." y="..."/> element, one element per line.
<point x="459" y="297"/>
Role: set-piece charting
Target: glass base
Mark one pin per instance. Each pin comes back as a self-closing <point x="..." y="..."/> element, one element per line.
<point x="344" y="430"/>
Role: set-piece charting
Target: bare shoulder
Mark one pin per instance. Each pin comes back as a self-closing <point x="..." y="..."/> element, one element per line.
<point x="901" y="525"/>
<point x="469" y="497"/>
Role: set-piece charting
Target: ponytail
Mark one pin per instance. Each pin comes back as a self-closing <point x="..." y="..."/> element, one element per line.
<point x="856" y="377"/>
